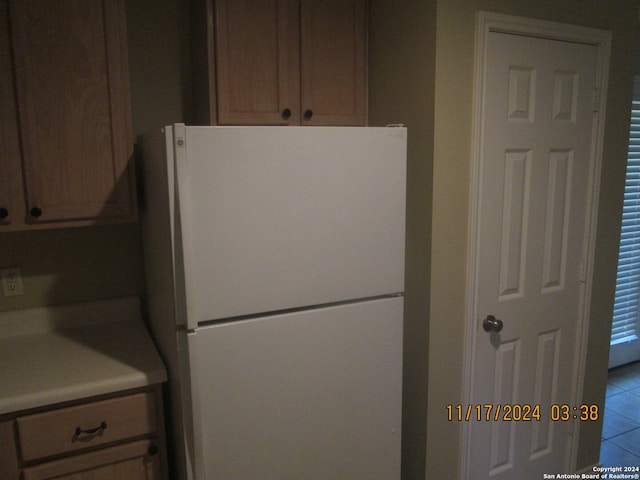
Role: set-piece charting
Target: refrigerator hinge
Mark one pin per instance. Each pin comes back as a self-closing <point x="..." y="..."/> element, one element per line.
<point x="179" y="134"/>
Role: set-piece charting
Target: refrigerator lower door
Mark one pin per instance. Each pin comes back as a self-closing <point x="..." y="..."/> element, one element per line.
<point x="314" y="395"/>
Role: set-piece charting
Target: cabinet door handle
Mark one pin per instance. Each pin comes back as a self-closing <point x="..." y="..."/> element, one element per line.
<point x="35" y="212"/>
<point x="286" y="114"/>
<point x="308" y="114"/>
<point x="91" y="431"/>
<point x="4" y="213"/>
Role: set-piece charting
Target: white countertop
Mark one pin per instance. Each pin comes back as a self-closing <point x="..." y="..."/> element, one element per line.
<point x="63" y="353"/>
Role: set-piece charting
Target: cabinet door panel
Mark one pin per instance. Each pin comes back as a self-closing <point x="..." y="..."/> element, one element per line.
<point x="131" y="461"/>
<point x="8" y="453"/>
<point x="70" y="69"/>
<point x="11" y="196"/>
<point x="333" y="39"/>
<point x="257" y="61"/>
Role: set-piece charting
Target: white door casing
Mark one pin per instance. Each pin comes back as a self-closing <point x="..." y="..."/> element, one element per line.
<point x="538" y="126"/>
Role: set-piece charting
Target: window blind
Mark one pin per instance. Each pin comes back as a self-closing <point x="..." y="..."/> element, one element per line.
<point x="626" y="309"/>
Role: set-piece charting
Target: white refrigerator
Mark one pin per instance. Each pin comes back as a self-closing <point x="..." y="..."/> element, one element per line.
<point x="274" y="263"/>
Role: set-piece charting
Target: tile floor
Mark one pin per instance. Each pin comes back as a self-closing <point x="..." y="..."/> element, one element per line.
<point x="621" y="431"/>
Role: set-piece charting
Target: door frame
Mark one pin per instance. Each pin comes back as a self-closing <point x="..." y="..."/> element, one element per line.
<point x="486" y="23"/>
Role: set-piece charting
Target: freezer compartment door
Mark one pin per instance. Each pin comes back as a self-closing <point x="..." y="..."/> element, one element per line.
<point x="276" y="218"/>
<point x="313" y="395"/>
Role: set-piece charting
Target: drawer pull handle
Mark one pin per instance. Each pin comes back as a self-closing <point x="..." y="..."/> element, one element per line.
<point x="91" y="431"/>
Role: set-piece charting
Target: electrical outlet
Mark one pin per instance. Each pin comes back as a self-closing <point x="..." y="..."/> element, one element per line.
<point x="11" y="282"/>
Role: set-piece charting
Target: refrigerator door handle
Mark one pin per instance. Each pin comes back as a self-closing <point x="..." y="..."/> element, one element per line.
<point x="183" y="213"/>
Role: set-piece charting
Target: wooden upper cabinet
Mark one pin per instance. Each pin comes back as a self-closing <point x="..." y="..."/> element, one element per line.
<point x="258" y="69"/>
<point x="281" y="62"/>
<point x="11" y="190"/>
<point x="73" y="113"/>
<point x="333" y="71"/>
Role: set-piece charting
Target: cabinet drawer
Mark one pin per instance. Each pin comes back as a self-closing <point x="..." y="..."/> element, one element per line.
<point x="83" y="426"/>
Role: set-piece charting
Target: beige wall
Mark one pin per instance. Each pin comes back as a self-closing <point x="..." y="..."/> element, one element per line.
<point x="401" y="85"/>
<point x="159" y="63"/>
<point x="427" y="83"/>
<point x="452" y="162"/>
<point x="80" y="264"/>
<point x="73" y="265"/>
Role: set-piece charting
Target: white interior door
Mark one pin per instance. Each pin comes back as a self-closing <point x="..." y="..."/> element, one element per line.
<point x="535" y="168"/>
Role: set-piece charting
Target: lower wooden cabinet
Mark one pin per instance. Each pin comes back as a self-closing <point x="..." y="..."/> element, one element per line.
<point x="9" y="467"/>
<point x="116" y="438"/>
<point x="132" y="461"/>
